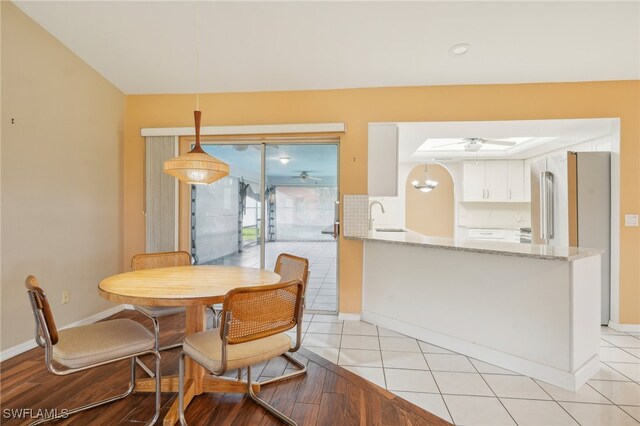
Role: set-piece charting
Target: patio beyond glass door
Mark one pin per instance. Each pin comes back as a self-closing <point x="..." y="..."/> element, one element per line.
<point x="302" y="188"/>
<point x="294" y="187"/>
<point x="225" y="215"/>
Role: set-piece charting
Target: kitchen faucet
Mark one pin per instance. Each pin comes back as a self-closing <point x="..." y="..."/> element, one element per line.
<point x="371" y="216"/>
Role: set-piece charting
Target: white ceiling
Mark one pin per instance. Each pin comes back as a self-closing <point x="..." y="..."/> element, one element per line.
<point x="444" y="145"/>
<point x="149" y="47"/>
<point x="543" y="136"/>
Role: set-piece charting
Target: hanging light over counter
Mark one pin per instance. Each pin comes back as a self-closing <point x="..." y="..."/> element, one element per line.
<point x="427" y="185"/>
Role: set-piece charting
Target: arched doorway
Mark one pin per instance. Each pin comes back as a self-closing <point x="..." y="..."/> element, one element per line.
<point x="430" y="213"/>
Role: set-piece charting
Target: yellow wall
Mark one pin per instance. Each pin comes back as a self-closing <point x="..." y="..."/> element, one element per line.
<point x="61" y="177"/>
<point x="358" y="107"/>
<point x="430" y="213"/>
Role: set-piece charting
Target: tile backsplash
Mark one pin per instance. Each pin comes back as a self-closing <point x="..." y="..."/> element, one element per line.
<point x="355" y="215"/>
<point x="494" y="215"/>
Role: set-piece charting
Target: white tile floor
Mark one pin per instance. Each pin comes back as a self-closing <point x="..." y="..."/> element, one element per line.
<point x="322" y="288"/>
<point x="467" y="391"/>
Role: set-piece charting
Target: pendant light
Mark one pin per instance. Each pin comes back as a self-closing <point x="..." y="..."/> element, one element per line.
<point x="427" y="185"/>
<point x="197" y="167"/>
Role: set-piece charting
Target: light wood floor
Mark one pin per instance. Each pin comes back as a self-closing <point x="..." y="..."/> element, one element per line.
<point x="327" y="395"/>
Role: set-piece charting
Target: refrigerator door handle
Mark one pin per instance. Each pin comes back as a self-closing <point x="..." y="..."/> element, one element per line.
<point x="543" y="207"/>
<point x="550" y="206"/>
<point x="546" y="206"/>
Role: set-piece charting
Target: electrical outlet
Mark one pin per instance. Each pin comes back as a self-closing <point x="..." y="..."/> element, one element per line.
<point x="65" y="296"/>
<point x="630" y="220"/>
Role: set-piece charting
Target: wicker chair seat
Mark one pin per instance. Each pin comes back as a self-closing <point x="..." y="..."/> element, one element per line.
<point x="160" y="311"/>
<point x="103" y="341"/>
<point x="206" y="349"/>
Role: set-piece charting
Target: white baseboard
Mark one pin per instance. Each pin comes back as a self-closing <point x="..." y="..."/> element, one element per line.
<point x="587" y="371"/>
<point x="564" y="379"/>
<point x="17" y="350"/>
<point x="348" y="317"/>
<point x="627" y="328"/>
<point x="30" y="344"/>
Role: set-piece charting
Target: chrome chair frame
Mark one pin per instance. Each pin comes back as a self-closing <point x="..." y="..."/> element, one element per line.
<point x="250" y="392"/>
<point x="156" y="333"/>
<point x="302" y="369"/>
<point x="43" y="340"/>
<point x="154" y="320"/>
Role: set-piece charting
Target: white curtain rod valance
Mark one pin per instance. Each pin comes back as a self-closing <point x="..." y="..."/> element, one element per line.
<point x="261" y="129"/>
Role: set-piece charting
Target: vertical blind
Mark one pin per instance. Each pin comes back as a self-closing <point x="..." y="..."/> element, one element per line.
<point x="160" y="195"/>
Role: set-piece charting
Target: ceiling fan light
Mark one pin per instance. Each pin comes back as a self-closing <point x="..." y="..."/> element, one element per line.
<point x="284" y="160"/>
<point x="425" y="189"/>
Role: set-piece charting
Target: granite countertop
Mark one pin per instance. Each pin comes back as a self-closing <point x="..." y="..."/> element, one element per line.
<point x="480" y="246"/>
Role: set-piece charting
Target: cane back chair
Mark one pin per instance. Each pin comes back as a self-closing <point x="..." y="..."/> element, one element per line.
<point x="159" y="260"/>
<point x="255" y="320"/>
<point x="81" y="348"/>
<point x="289" y="267"/>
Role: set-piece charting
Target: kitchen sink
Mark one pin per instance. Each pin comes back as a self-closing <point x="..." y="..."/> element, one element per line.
<point x="391" y="230"/>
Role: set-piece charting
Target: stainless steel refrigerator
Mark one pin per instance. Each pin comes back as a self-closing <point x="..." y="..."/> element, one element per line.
<point x="571" y="206"/>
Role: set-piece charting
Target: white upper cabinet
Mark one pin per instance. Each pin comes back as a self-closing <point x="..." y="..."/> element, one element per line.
<point x="473" y="187"/>
<point x="516" y="181"/>
<point x="527" y="181"/>
<point x="494" y="180"/>
<point x="383" y="160"/>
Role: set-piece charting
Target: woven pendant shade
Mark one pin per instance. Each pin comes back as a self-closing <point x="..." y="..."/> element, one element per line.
<point x="196" y="167"/>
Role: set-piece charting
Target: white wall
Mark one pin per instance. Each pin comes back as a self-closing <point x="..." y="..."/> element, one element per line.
<point x="61" y="177"/>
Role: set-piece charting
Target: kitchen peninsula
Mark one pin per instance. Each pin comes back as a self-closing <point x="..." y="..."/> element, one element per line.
<point x="532" y="309"/>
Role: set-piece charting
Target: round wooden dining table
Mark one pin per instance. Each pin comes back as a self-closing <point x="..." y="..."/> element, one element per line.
<point x="194" y="287"/>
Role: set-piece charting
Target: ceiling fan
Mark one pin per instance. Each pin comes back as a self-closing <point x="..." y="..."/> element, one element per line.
<point x="304" y="176"/>
<point x="474" y="144"/>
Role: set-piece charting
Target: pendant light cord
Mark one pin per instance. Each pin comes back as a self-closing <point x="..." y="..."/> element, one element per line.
<point x="198" y="56"/>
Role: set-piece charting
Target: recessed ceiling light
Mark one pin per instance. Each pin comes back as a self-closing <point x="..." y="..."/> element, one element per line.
<point x="284" y="160"/>
<point x="459" y="49"/>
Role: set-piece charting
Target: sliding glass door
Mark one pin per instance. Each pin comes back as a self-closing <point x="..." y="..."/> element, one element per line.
<point x="302" y="184"/>
<point x="225" y="215"/>
<point x="294" y="187"/>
